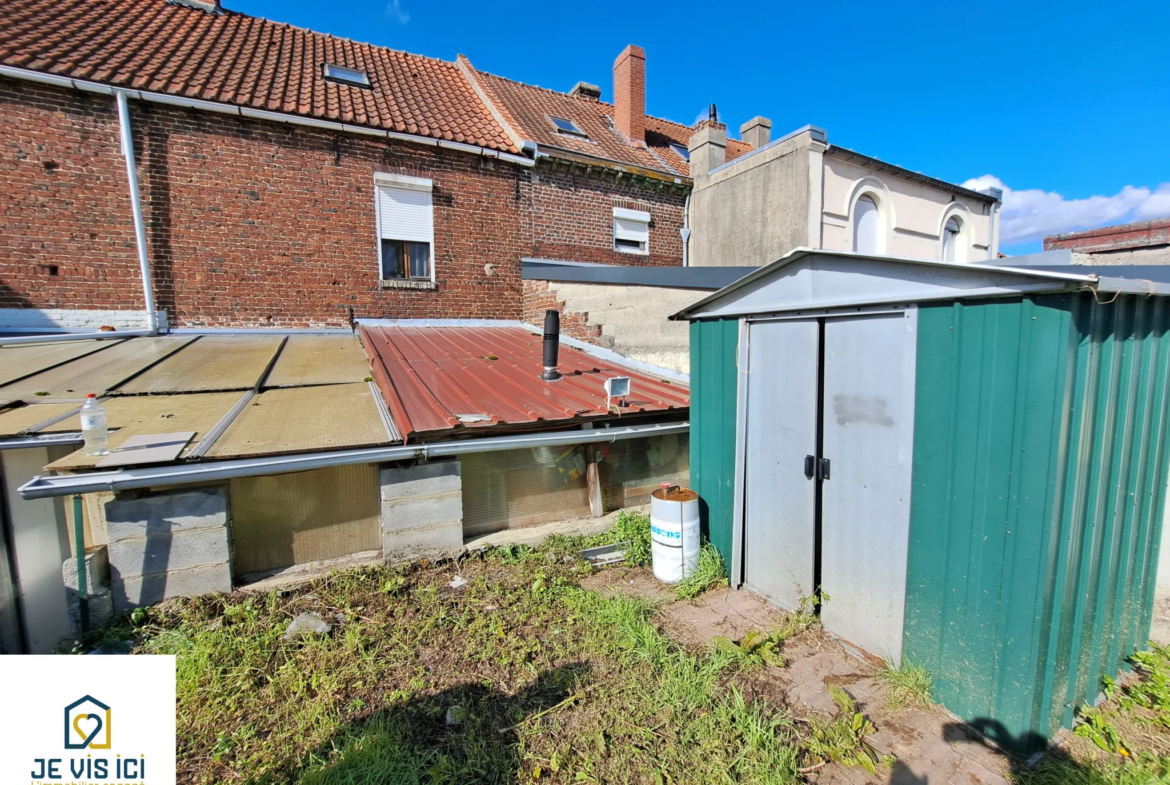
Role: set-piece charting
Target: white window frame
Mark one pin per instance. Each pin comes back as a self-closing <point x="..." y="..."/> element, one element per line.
<point x="965" y="240"/>
<point x="388" y="180"/>
<point x="639" y="216"/>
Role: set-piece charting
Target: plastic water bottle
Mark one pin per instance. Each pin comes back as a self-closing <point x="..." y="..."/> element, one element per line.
<point x="93" y="427"/>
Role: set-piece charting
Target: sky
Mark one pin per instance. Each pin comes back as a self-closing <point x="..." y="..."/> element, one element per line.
<point x="1065" y="106"/>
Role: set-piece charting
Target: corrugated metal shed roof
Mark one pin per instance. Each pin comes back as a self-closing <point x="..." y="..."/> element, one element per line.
<point x="440" y="380"/>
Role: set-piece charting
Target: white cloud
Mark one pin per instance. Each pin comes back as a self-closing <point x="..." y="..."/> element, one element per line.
<point x="1032" y="214"/>
<point x="395" y="10"/>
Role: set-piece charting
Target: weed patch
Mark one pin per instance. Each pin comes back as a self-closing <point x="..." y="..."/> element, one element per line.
<point x="710" y="573"/>
<point x="906" y="685"/>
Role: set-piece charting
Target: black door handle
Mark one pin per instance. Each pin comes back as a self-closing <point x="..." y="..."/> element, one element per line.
<point x="810" y="466"/>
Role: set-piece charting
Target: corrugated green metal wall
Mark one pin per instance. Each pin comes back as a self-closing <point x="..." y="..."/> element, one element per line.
<point x="713" y="399"/>
<point x="1039" y="484"/>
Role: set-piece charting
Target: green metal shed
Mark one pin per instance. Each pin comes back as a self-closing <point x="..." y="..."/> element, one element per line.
<point x="968" y="461"/>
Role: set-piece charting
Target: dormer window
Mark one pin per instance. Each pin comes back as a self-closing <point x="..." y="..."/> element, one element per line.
<point x="564" y="126"/>
<point x="343" y="75"/>
<point x="682" y="151"/>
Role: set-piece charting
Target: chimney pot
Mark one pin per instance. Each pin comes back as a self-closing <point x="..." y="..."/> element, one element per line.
<point x="757" y="132"/>
<point x="586" y="90"/>
<point x="629" y="93"/>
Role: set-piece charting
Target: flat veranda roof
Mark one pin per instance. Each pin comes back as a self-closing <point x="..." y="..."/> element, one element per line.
<point x="247" y="395"/>
<point x="808" y="279"/>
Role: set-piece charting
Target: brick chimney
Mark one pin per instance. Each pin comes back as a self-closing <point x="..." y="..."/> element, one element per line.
<point x="629" y="93"/>
<point x="757" y="132"/>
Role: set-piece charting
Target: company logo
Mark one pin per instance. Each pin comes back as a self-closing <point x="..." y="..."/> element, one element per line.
<point x="87" y="725"/>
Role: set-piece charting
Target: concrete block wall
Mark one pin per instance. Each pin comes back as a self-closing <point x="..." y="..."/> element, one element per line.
<point x="168" y="544"/>
<point x="422" y="510"/>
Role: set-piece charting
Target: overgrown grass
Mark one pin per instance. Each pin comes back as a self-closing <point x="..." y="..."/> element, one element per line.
<point x="906" y="685"/>
<point x="547" y="681"/>
<point x="710" y="573"/>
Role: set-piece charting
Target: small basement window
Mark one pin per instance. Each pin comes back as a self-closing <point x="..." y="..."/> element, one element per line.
<point x="566" y="126"/>
<point x="405" y="228"/>
<point x="631" y="231"/>
<point x="343" y="75"/>
<point x="683" y="152"/>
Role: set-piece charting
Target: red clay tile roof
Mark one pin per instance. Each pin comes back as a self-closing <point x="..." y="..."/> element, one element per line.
<point x="429" y="376"/>
<point x="243" y="60"/>
<point x="246" y="61"/>
<point x="527" y="108"/>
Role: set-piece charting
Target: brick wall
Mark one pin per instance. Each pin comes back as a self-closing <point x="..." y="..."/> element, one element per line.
<point x="249" y="223"/>
<point x="571" y="218"/>
<point x="540" y="297"/>
<point x="252" y="223"/>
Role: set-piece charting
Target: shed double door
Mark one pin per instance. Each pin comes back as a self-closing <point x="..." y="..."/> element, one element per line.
<point x="827" y="471"/>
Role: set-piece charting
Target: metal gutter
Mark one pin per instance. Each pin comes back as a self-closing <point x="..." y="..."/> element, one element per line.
<point x="45" y="440"/>
<point x="257" y="114"/>
<point x="817" y="135"/>
<point x="42" y="487"/>
<point x="701" y="278"/>
<point x="634" y="170"/>
<point x="59" y="337"/>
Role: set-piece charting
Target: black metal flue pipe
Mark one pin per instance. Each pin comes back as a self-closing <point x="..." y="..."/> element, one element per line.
<point x="552" y="345"/>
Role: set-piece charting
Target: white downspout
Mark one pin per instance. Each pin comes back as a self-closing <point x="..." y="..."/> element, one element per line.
<point x="686" y="229"/>
<point x="136" y="206"/>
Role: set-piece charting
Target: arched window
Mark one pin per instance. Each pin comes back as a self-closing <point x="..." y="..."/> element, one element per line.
<point x="866" y="226"/>
<point x="950" y="240"/>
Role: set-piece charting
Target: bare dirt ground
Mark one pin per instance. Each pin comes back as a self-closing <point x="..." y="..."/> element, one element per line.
<point x="928" y="744"/>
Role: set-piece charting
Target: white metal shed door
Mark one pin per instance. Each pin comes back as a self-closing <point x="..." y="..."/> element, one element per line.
<point x="865" y="513"/>
<point x="781" y="430"/>
<point x="865" y="226"/>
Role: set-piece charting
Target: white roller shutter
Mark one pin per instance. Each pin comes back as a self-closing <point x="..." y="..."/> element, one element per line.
<point x="631" y="226"/>
<point x="866" y="226"/>
<point x="625" y="229"/>
<point x="405" y="214"/>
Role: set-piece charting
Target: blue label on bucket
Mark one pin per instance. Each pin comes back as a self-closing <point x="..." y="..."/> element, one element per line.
<point x="667" y="534"/>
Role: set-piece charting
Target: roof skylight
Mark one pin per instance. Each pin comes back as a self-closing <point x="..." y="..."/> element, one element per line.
<point x="682" y="151"/>
<point x="350" y="76"/>
<point x="566" y="126"/>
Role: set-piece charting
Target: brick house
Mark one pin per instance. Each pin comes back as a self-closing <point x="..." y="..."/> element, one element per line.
<point x="1143" y="242"/>
<point x="293" y="179"/>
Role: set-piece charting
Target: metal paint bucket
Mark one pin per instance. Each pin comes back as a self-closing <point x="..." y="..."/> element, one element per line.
<point x="674" y="533"/>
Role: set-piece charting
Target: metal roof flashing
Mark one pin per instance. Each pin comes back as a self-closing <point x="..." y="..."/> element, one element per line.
<point x="839" y="279"/>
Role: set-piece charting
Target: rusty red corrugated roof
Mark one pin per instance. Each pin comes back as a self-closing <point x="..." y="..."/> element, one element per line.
<point x="431" y="377"/>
